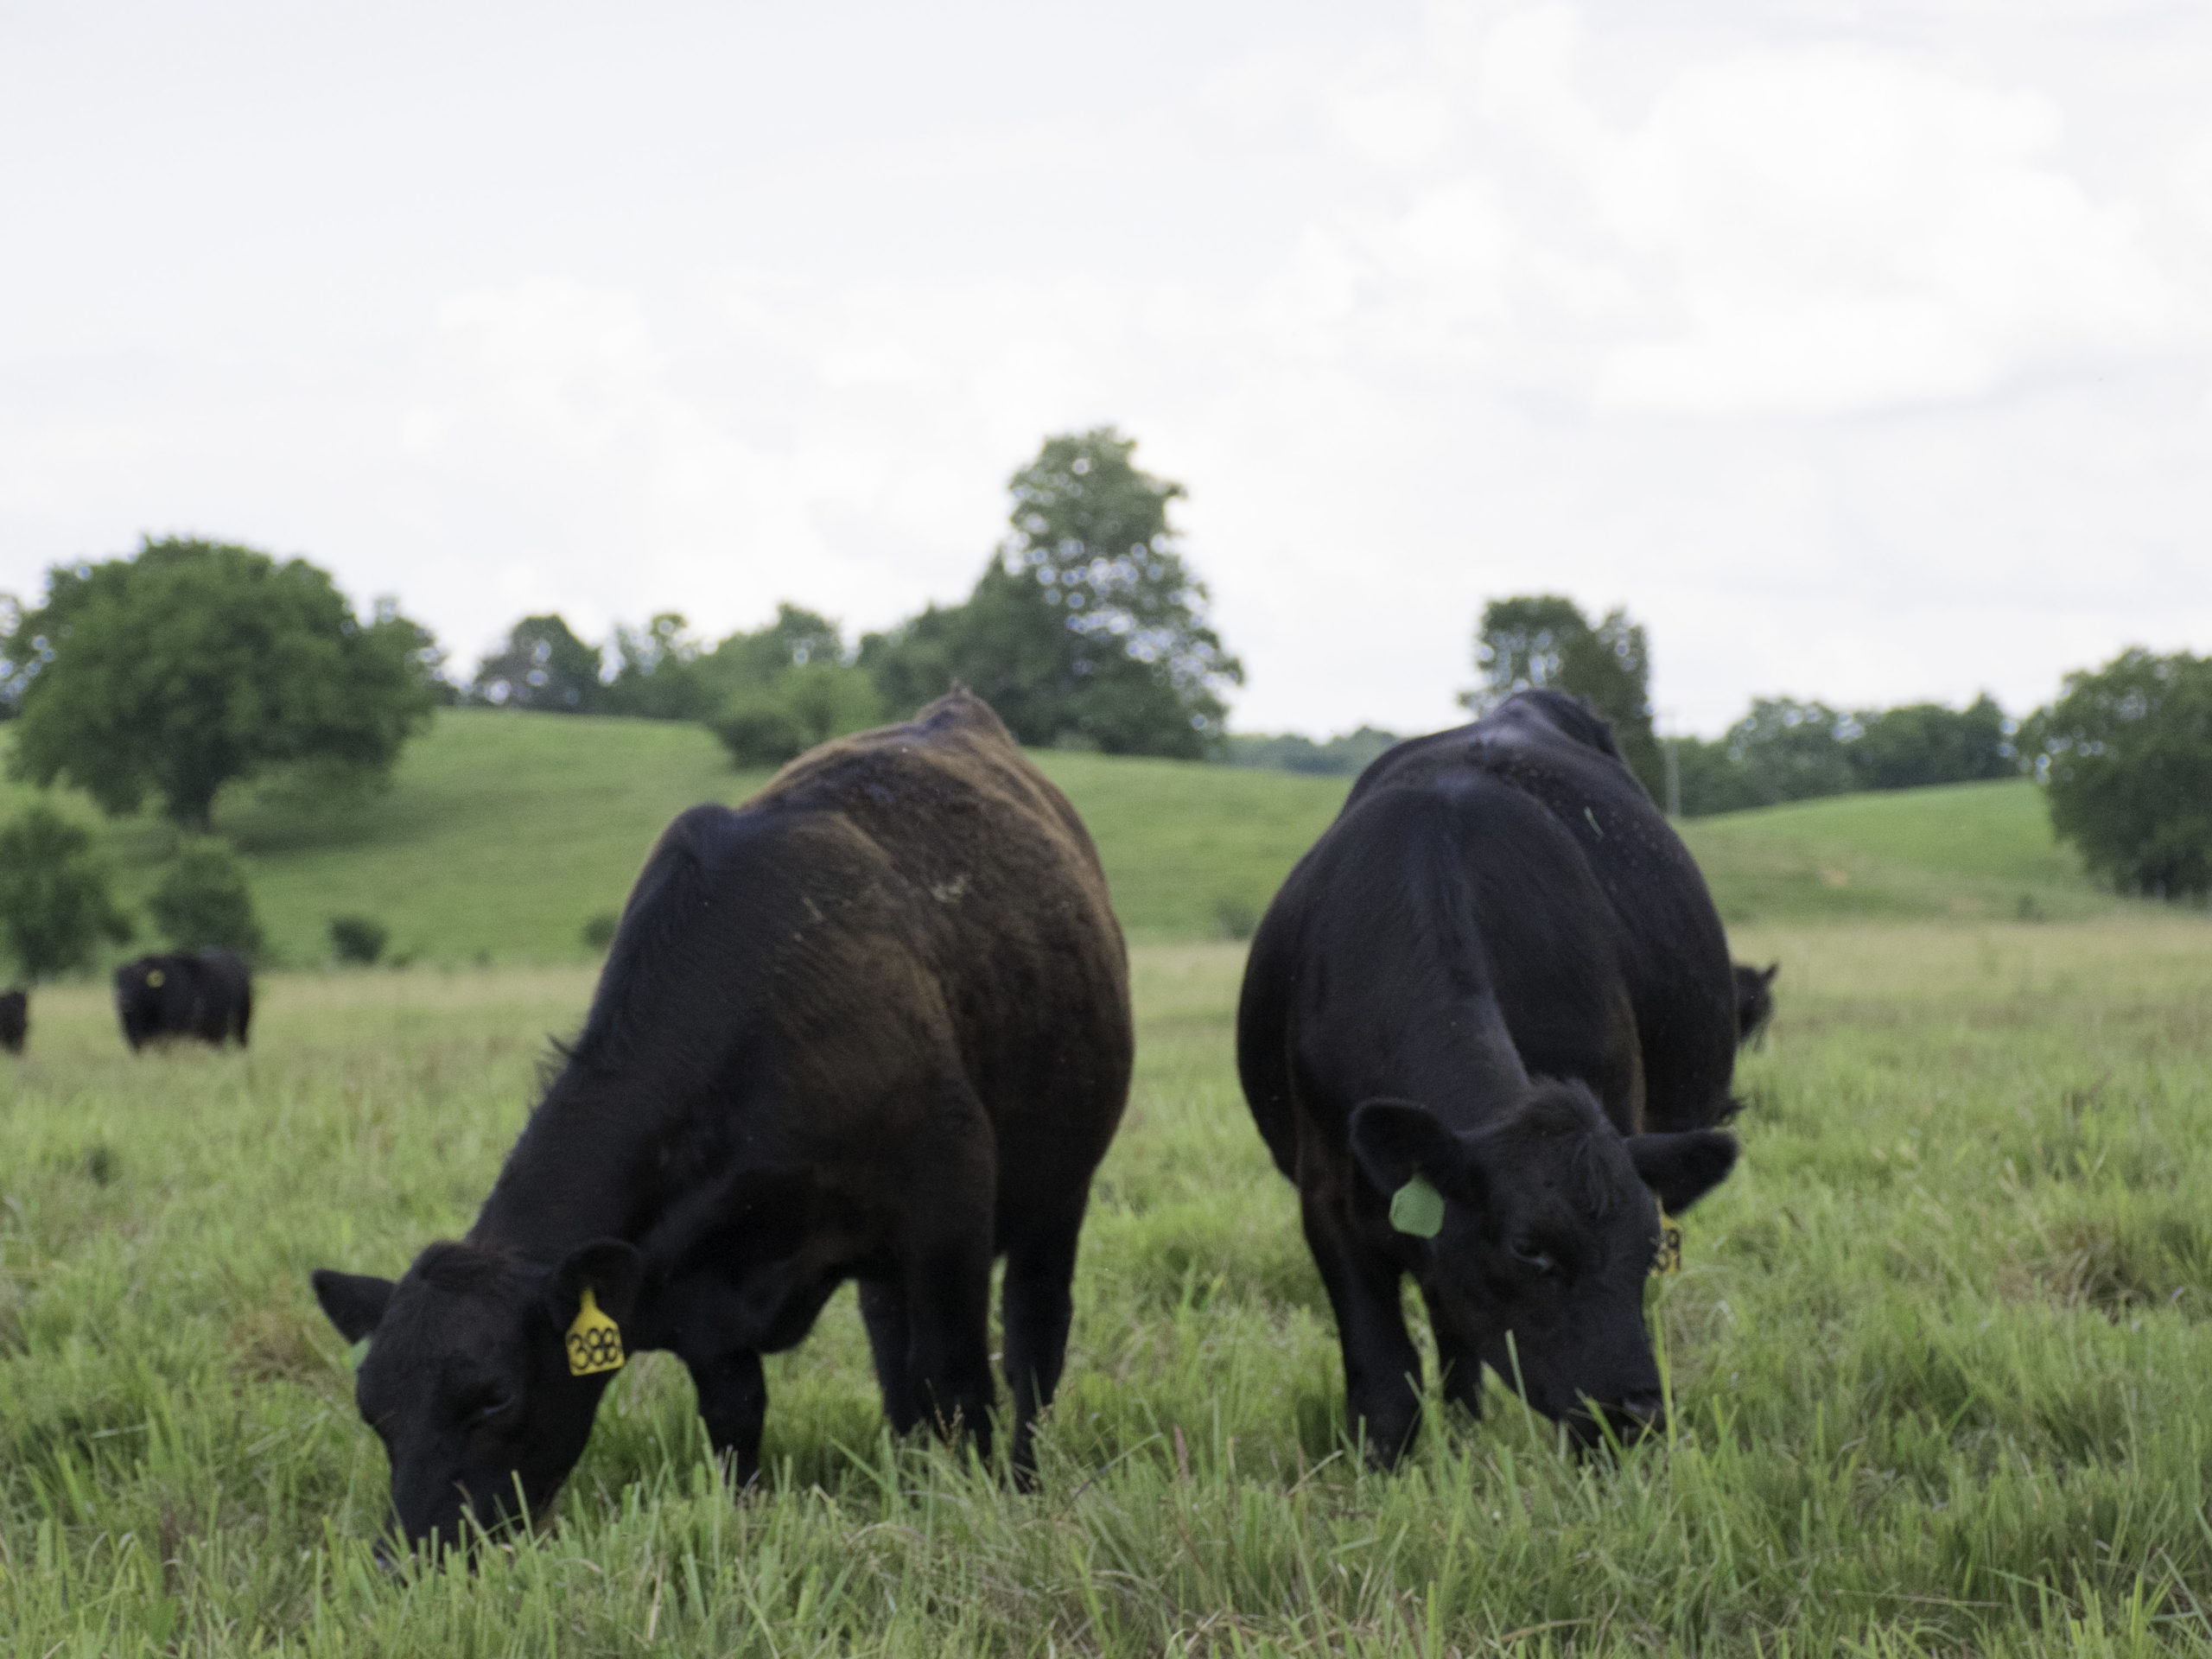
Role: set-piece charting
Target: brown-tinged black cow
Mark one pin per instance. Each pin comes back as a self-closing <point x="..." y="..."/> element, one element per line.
<point x="1754" y="1003"/>
<point x="15" y="1020"/>
<point x="872" y="1025"/>
<point x="207" y="994"/>
<point x="1487" y="1027"/>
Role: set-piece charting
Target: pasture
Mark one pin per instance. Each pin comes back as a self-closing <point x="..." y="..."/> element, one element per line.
<point x="1941" y="1357"/>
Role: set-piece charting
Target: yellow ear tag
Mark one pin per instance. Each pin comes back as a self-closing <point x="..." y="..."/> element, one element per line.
<point x="1669" y="1259"/>
<point x="595" y="1340"/>
<point x="155" y="978"/>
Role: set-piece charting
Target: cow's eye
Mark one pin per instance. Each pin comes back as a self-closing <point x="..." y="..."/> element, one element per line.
<point x="1533" y="1256"/>
<point x="491" y="1408"/>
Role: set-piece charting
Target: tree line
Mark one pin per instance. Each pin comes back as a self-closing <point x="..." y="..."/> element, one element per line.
<point x="191" y="665"/>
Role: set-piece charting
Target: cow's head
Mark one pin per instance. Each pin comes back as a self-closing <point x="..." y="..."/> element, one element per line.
<point x="1550" y="1224"/>
<point x="467" y="1378"/>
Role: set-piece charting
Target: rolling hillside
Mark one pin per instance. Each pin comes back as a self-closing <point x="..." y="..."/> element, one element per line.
<point x="505" y="832"/>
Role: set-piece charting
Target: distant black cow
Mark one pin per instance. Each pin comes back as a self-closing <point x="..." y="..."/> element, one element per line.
<point x="203" y="993"/>
<point x="1486" y="1021"/>
<point x="15" y="1020"/>
<point x="872" y="1025"/>
<point x="1754" y="1003"/>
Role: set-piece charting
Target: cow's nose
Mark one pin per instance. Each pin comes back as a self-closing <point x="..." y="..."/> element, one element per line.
<point x="1643" y="1413"/>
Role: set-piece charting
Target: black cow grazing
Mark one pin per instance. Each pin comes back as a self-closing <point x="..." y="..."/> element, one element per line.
<point x="1485" y="1023"/>
<point x="872" y="1025"/>
<point x="1754" y="1003"/>
<point x="203" y="993"/>
<point x="15" y="1020"/>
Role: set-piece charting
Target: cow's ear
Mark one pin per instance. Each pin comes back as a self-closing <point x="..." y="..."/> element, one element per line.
<point x="1397" y="1139"/>
<point x="354" y="1301"/>
<point x="613" y="1270"/>
<point x="1682" y="1168"/>
<point x="1768" y="973"/>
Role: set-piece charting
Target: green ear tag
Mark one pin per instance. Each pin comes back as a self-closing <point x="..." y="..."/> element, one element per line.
<point x="356" y="1354"/>
<point x="1417" y="1208"/>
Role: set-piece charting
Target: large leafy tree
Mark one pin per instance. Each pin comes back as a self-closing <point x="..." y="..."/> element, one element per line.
<point x="1535" y="640"/>
<point x="1087" y="627"/>
<point x="2125" y="756"/>
<point x="54" y="908"/>
<point x="193" y="664"/>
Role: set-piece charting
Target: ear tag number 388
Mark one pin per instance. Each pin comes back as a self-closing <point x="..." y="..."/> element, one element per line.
<point x="594" y="1341"/>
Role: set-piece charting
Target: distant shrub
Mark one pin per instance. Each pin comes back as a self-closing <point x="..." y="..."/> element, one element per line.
<point x="1342" y="756"/>
<point x="201" y="900"/>
<point x="760" y="730"/>
<point x="54" y="907"/>
<point x="599" y="932"/>
<point x="802" y="705"/>
<point x="1236" y="917"/>
<point x="357" y="938"/>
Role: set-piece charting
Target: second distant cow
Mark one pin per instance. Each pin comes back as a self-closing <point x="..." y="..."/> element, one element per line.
<point x="207" y="994"/>
<point x="15" y="1020"/>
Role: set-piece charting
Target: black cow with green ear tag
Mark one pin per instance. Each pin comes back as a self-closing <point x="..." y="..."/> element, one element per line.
<point x="1488" y="1028"/>
<point x="873" y="1025"/>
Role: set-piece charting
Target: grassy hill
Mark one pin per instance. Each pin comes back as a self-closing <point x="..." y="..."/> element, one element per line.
<point x="1962" y="850"/>
<point x="505" y="832"/>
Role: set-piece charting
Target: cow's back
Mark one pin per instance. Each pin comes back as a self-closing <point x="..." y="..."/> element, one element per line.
<point x="1672" y="948"/>
<point x="898" y="917"/>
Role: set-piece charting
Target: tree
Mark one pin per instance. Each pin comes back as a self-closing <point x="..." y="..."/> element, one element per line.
<point x="54" y="908"/>
<point x="1086" y="627"/>
<point x="1917" y="744"/>
<point x="2125" y="755"/>
<point x="1793" y="750"/>
<point x="659" y="675"/>
<point x="1536" y="640"/>
<point x="193" y="664"/>
<point x="202" y="900"/>
<point x="544" y="666"/>
<point x="783" y="689"/>
<point x="1710" y="778"/>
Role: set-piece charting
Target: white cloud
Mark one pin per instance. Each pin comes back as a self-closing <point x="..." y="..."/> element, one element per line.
<point x="1860" y="353"/>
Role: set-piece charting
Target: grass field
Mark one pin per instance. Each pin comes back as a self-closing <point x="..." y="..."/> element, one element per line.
<point x="1941" y="1359"/>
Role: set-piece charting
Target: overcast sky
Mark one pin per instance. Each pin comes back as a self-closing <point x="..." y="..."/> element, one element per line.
<point x="1862" y="352"/>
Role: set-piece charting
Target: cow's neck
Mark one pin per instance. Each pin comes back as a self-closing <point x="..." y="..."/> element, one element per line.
<point x="587" y="1165"/>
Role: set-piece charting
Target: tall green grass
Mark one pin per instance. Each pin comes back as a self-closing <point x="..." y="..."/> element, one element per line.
<point x="1940" y="1360"/>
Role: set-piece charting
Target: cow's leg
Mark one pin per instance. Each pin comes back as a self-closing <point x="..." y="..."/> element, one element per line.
<point x="1036" y="1308"/>
<point x="1457" y="1358"/>
<point x="890" y="1341"/>
<point x="1382" y="1366"/>
<point x="944" y="1269"/>
<point x="734" y="1405"/>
